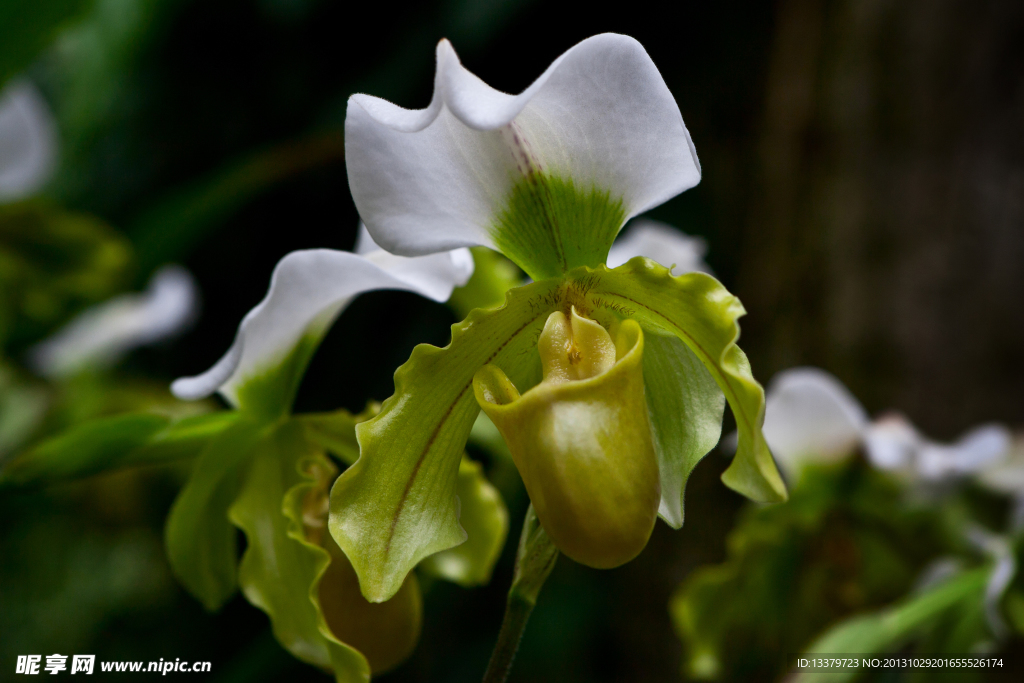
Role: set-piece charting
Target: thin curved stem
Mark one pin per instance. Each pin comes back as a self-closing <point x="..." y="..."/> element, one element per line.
<point x="534" y="561"/>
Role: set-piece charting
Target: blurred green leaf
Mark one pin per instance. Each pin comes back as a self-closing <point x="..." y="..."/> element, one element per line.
<point x="27" y="28"/>
<point x="52" y="264"/>
<point x="201" y="541"/>
<point x="114" y="442"/>
<point x="845" y="542"/>
<point x="889" y="629"/>
<point x="23" y="405"/>
<point x="484" y="516"/>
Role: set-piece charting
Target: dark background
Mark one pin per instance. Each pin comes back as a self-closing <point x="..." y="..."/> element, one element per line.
<point x="863" y="194"/>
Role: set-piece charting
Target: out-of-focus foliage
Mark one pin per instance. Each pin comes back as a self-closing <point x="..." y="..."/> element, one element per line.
<point x="52" y="264"/>
<point x="845" y="542"/>
<point x="855" y="563"/>
<point x="29" y="27"/>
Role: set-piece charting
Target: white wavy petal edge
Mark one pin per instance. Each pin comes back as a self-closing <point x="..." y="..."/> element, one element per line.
<point x="28" y="140"/>
<point x="101" y="335"/>
<point x="308" y="290"/>
<point x="600" y="113"/>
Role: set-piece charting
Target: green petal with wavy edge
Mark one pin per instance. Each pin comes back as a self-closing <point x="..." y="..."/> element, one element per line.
<point x="482" y="511"/>
<point x="114" y="442"/>
<point x="201" y="542"/>
<point x="485" y="518"/>
<point x="685" y="407"/>
<point x="549" y="225"/>
<point x="280" y="570"/>
<point x="697" y="309"/>
<point x="397" y="504"/>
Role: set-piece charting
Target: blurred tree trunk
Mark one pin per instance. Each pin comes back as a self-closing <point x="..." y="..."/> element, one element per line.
<point x="885" y="241"/>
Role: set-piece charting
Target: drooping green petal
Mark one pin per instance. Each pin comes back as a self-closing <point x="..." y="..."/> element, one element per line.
<point x="485" y="518"/>
<point x="685" y="408"/>
<point x="482" y="511"/>
<point x="397" y="504"/>
<point x="114" y="442"/>
<point x="280" y="569"/>
<point x="697" y="309"/>
<point x="201" y="542"/>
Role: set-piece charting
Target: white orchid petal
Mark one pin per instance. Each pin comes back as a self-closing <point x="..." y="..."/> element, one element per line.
<point x="434" y="179"/>
<point x="980" y="447"/>
<point x="810" y="415"/>
<point x="28" y="141"/>
<point x="1006" y="474"/>
<point x="102" y="334"/>
<point x="364" y="241"/>
<point x="892" y="443"/>
<point x="308" y="290"/>
<point x="662" y="243"/>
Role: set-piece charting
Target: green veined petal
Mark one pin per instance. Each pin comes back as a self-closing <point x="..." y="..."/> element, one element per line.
<point x="550" y="225"/>
<point x="697" y="309"/>
<point x="397" y="504"/>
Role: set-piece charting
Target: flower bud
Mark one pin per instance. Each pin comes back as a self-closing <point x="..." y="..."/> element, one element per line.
<point x="582" y="439"/>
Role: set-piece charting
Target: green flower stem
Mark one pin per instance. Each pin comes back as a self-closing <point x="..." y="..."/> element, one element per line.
<point x="534" y="561"/>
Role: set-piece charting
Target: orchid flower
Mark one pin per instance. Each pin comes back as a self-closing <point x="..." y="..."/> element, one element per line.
<point x="28" y="141"/>
<point x="102" y="334"/>
<point x="811" y="417"/>
<point x="608" y="384"/>
<point x="268" y="473"/>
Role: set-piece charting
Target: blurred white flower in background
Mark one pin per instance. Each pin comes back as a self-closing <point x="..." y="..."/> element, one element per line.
<point x="662" y="243"/>
<point x="28" y="141"/>
<point x="101" y="335"/>
<point x="811" y="417"/>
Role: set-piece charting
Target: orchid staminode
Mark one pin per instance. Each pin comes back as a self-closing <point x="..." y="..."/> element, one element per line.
<point x="548" y="178"/>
